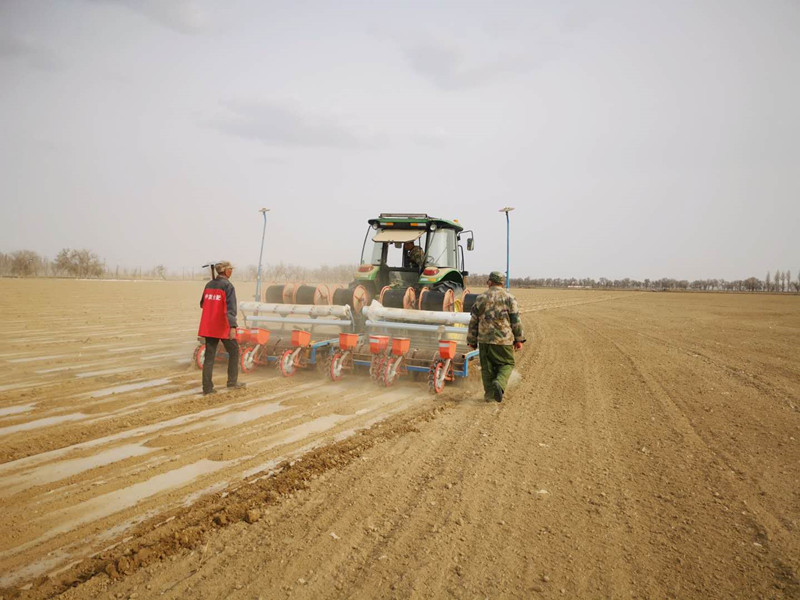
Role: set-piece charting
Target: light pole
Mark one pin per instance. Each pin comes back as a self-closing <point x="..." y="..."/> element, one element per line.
<point x="507" y="210"/>
<point x="264" y="212"/>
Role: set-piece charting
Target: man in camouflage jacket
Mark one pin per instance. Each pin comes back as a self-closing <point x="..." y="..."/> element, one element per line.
<point x="495" y="328"/>
<point x="413" y="255"/>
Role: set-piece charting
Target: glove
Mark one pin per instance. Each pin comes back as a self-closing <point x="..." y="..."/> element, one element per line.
<point x="517" y="345"/>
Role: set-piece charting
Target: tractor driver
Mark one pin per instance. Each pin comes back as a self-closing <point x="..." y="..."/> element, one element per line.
<point x="413" y="256"/>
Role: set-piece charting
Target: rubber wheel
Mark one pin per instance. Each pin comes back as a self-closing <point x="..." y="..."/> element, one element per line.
<point x="335" y="371"/>
<point x="436" y="377"/>
<point x="247" y="361"/>
<point x="286" y="363"/>
<point x="199" y="356"/>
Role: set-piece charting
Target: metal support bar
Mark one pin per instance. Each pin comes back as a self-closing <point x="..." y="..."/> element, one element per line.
<point x="341" y="312"/>
<point x="376" y="311"/>
<point x="467" y="357"/>
<point x="416" y="327"/>
<point x="321" y="322"/>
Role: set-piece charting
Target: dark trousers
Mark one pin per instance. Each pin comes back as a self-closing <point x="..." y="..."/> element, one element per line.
<point x="232" y="347"/>
<point x="497" y="363"/>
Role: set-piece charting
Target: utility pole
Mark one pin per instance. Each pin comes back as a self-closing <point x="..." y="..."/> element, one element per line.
<point x="263" y="212"/>
<point x="507" y="210"/>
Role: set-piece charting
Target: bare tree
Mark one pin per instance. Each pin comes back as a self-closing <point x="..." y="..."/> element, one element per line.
<point x="78" y="263"/>
<point x="25" y="263"/>
<point x="62" y="263"/>
<point x="751" y="284"/>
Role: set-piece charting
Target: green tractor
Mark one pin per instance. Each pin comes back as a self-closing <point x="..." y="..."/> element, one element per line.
<point x="413" y="265"/>
<point x="413" y="261"/>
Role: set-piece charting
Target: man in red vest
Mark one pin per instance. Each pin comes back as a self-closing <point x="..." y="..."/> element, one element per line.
<point x="218" y="323"/>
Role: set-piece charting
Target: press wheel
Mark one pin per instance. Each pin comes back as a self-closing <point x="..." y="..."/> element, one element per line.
<point x="286" y="363"/>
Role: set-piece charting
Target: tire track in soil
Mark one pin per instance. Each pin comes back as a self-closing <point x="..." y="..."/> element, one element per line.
<point x="414" y="517"/>
<point x="411" y="528"/>
<point x="756" y="400"/>
<point x="712" y="474"/>
<point x="239" y="445"/>
<point x="455" y="505"/>
<point x="630" y="509"/>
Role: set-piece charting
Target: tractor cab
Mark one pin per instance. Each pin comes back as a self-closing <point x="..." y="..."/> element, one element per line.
<point x="416" y="250"/>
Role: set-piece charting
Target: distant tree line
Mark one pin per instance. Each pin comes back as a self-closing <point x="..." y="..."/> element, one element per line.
<point x="68" y="263"/>
<point x="84" y="263"/>
<point x="293" y="273"/>
<point x="780" y="282"/>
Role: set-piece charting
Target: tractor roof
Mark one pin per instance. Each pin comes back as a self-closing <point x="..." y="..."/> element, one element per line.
<point x="412" y="220"/>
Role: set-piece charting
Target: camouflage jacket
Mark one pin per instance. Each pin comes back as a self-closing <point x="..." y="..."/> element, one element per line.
<point x="415" y="256"/>
<point x="495" y="319"/>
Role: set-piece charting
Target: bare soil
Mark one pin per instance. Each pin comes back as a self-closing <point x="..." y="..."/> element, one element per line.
<point x="648" y="448"/>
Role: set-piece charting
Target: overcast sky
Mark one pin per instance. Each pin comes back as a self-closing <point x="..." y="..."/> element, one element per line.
<point x="634" y="138"/>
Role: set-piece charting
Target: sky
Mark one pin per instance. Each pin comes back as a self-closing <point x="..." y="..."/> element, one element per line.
<point x="641" y="139"/>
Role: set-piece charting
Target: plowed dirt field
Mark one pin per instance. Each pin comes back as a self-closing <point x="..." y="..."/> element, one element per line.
<point x="649" y="447"/>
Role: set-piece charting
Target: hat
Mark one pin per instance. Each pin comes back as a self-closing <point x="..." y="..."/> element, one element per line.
<point x="497" y="277"/>
<point x="222" y="266"/>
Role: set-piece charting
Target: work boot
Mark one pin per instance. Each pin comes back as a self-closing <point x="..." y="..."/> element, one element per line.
<point x="209" y="392"/>
<point x="498" y="392"/>
<point x="488" y="396"/>
<point x="237" y="386"/>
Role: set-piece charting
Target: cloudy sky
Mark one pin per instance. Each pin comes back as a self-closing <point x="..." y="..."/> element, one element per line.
<point x="634" y="138"/>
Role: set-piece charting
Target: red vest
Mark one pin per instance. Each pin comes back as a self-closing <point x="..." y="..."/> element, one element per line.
<point x="214" y="322"/>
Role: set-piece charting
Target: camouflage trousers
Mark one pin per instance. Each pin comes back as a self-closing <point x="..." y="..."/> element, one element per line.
<point x="497" y="362"/>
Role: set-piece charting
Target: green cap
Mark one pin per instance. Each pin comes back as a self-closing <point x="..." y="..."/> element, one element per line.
<point x="497" y="277"/>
